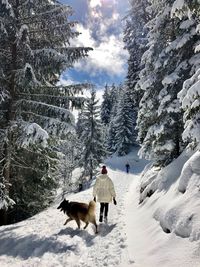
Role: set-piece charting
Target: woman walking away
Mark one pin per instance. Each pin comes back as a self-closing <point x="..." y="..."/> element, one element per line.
<point x="105" y="192"/>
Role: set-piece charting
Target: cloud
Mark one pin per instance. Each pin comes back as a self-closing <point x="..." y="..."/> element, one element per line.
<point x="103" y="33"/>
<point x="108" y="56"/>
<point x="66" y="80"/>
<point x="101" y="28"/>
<point x="95" y="3"/>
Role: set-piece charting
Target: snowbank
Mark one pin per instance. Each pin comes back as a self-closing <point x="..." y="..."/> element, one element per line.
<point x="175" y="195"/>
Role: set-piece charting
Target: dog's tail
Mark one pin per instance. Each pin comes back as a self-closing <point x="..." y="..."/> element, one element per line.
<point x="91" y="207"/>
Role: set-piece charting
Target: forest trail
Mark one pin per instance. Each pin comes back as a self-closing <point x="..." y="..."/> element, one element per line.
<point x="43" y="240"/>
<point x="132" y="236"/>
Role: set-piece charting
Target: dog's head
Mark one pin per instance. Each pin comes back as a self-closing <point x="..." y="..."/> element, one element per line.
<point x="63" y="205"/>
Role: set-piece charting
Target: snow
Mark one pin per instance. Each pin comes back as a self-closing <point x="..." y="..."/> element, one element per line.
<point x="23" y="28"/>
<point x="193" y="91"/>
<point x="186" y="24"/>
<point x="181" y="41"/>
<point x="189" y="96"/>
<point x="3" y="95"/>
<point x="35" y="134"/>
<point x="8" y="6"/>
<point x="192" y="129"/>
<point x="180" y="8"/>
<point x="191" y="168"/>
<point x="135" y="234"/>
<point x="170" y="79"/>
<point x="197" y="48"/>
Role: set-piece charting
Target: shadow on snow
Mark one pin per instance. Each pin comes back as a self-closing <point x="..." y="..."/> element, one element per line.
<point x="35" y="246"/>
<point x="31" y="246"/>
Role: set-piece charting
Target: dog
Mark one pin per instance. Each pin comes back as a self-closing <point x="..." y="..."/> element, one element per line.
<point x="79" y="212"/>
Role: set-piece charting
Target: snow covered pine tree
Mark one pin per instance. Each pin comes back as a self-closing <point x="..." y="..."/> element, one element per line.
<point x="106" y="106"/>
<point x="111" y="131"/>
<point x="34" y="50"/>
<point x="189" y="12"/>
<point x="125" y="123"/>
<point x="135" y="39"/>
<point x="168" y="63"/>
<point x="90" y="135"/>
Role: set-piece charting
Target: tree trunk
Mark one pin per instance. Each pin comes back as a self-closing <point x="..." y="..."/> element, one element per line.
<point x="3" y="217"/>
<point x="177" y="147"/>
<point x="91" y="170"/>
<point x="91" y="175"/>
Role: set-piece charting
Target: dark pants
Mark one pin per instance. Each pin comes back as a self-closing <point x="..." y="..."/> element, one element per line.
<point x="104" y="209"/>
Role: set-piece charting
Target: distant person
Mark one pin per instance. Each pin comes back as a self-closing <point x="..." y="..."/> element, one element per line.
<point x="127" y="167"/>
<point x="105" y="192"/>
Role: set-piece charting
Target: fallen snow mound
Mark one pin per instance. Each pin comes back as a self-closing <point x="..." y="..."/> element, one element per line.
<point x="176" y="195"/>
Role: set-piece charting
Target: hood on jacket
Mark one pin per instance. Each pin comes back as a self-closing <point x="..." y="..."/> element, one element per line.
<point x="103" y="176"/>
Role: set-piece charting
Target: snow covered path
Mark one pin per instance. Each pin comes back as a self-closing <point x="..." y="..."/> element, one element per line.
<point x="43" y="240"/>
<point x="131" y="238"/>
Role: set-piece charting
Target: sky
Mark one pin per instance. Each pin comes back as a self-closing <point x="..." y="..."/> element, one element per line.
<point x="101" y="27"/>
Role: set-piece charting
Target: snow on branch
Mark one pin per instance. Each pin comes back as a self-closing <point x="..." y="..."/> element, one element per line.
<point x="5" y="201"/>
<point x="73" y="89"/>
<point x="46" y="110"/>
<point x="22" y="33"/>
<point x="53" y="126"/>
<point x="5" y="4"/>
<point x="73" y="54"/>
<point x="50" y="10"/>
<point x="34" y="134"/>
<point x="190" y="99"/>
<point x="192" y="130"/>
<point x="27" y="74"/>
<point x="3" y="95"/>
<point x="66" y="90"/>
<point x="180" y="8"/>
<point x="66" y="55"/>
<point x="190" y="91"/>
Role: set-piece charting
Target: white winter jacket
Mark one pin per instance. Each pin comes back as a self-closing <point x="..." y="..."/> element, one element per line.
<point x="104" y="189"/>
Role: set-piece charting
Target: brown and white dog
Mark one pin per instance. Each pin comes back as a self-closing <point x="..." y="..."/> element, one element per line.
<point x="79" y="212"/>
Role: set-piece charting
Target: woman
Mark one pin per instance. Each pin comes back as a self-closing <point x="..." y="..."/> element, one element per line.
<point x="105" y="192"/>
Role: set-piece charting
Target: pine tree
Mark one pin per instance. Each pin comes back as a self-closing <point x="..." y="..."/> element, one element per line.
<point x="190" y="94"/>
<point x="106" y="106"/>
<point x="34" y="50"/>
<point x="167" y="65"/>
<point x="91" y="138"/>
<point x="69" y="155"/>
<point x="125" y="122"/>
<point x="111" y="130"/>
<point x="135" y="39"/>
<point x="114" y="99"/>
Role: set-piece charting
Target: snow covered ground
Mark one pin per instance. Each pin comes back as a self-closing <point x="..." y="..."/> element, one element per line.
<point x="132" y="236"/>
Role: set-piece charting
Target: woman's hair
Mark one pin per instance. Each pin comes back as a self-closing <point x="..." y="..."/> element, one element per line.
<point x="104" y="170"/>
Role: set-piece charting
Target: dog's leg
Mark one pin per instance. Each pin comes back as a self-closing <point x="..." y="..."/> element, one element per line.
<point x="86" y="225"/>
<point x="78" y="223"/>
<point x="68" y="220"/>
<point x="95" y="224"/>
